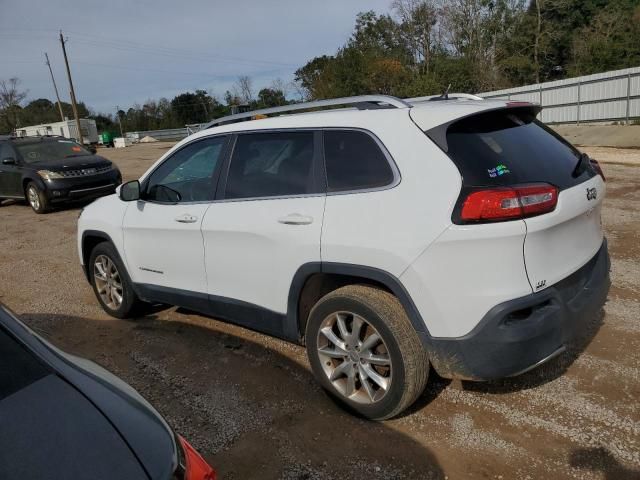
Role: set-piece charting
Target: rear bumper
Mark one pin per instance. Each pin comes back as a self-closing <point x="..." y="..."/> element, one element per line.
<point x="520" y="334"/>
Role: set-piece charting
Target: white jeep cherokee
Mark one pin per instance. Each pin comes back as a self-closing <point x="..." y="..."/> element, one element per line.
<point x="400" y="235"/>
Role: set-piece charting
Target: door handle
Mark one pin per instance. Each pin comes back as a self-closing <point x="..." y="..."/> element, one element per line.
<point x="186" y="218"/>
<point x="296" y="219"/>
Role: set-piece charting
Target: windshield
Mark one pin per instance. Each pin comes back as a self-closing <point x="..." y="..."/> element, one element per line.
<point x="50" y="150"/>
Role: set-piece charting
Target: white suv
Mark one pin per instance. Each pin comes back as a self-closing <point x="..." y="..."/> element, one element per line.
<point x="400" y="235"/>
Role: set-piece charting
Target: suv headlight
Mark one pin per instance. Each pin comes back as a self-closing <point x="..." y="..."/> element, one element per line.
<point x="49" y="175"/>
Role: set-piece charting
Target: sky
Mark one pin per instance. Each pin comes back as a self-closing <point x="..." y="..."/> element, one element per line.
<point x="122" y="52"/>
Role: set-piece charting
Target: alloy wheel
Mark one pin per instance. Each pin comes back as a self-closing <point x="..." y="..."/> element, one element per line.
<point x="354" y="357"/>
<point x="34" y="198"/>
<point x="108" y="282"/>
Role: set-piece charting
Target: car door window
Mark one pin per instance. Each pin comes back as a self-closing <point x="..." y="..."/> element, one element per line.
<point x="354" y="161"/>
<point x="188" y="175"/>
<point x="271" y="164"/>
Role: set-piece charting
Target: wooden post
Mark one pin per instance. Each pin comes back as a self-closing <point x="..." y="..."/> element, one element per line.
<point x="73" y="93"/>
<point x="55" y="87"/>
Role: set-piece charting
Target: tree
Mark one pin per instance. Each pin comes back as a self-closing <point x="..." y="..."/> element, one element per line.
<point x="10" y="99"/>
<point x="268" y="97"/>
<point x="244" y="89"/>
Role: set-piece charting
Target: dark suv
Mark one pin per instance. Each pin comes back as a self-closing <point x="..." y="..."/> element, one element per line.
<point x="52" y="170"/>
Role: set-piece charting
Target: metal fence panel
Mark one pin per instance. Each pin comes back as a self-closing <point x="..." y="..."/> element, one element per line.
<point x="601" y="97"/>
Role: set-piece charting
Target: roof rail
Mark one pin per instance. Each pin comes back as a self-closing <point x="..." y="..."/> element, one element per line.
<point x="450" y="96"/>
<point x="362" y="102"/>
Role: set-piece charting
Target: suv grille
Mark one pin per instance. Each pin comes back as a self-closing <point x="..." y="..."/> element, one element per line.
<point x="85" y="172"/>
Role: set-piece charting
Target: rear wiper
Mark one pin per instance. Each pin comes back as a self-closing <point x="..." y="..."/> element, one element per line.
<point x="583" y="161"/>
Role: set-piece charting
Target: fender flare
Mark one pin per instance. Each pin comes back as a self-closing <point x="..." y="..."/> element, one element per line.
<point x="380" y="276"/>
<point x="92" y="233"/>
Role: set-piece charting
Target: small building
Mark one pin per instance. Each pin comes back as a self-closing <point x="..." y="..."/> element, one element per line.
<point x="66" y="129"/>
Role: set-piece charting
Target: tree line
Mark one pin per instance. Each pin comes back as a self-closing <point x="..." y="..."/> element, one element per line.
<point x="421" y="47"/>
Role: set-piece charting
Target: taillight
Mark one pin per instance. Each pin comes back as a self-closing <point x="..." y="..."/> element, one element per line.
<point x="509" y="203"/>
<point x="597" y="168"/>
<point x="195" y="467"/>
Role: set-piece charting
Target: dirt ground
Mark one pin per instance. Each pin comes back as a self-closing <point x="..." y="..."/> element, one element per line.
<point x="249" y="403"/>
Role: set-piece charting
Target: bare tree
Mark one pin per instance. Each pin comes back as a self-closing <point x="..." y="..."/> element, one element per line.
<point x="418" y="24"/>
<point x="279" y="84"/>
<point x="10" y="99"/>
<point x="243" y="88"/>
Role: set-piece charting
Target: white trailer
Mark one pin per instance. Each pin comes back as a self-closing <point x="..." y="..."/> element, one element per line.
<point x="66" y="129"/>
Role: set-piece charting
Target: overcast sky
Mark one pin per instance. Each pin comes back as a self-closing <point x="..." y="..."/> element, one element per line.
<point x="126" y="51"/>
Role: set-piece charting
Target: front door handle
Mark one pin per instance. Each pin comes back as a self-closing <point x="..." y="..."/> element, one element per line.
<point x="296" y="219"/>
<point x="186" y="218"/>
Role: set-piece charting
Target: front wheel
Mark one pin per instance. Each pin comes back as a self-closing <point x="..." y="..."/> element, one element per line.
<point x="111" y="283"/>
<point x="364" y="351"/>
<point x="37" y="198"/>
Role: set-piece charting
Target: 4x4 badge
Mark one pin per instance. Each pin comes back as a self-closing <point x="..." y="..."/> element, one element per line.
<point x="592" y="193"/>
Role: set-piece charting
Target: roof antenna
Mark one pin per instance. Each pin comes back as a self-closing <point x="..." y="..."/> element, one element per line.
<point x="445" y="94"/>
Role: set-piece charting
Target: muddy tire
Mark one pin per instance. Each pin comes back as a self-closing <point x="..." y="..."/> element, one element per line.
<point x="364" y="351"/>
<point x="111" y="283"/>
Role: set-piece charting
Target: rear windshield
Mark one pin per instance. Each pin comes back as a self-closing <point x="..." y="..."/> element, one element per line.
<point x="508" y="147"/>
<point x="19" y="368"/>
<point x="49" y="150"/>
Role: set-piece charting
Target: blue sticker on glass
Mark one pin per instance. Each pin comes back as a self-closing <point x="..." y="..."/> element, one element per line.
<point x="498" y="171"/>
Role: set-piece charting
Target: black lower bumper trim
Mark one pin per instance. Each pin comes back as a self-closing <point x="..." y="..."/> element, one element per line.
<point x="520" y="334"/>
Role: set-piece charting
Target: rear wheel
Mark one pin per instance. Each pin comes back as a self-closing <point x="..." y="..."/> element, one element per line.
<point x="364" y="351"/>
<point x="111" y="283"/>
<point x="36" y="198"/>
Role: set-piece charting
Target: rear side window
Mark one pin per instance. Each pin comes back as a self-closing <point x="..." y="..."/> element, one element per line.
<point x="354" y="161"/>
<point x="271" y="164"/>
<point x="18" y="367"/>
<point x="509" y="147"/>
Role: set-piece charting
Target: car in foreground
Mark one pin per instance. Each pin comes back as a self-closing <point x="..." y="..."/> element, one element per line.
<point x="49" y="171"/>
<point x="390" y="237"/>
<point x="65" y="417"/>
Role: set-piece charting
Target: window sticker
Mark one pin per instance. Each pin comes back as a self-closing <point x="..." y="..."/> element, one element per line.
<point x="76" y="149"/>
<point x="498" y="171"/>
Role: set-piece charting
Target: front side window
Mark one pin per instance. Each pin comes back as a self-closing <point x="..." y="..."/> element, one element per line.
<point x="271" y="164"/>
<point x="187" y="176"/>
<point x="354" y="161"/>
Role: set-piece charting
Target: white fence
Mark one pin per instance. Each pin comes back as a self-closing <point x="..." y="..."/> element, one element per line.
<point x="602" y="97"/>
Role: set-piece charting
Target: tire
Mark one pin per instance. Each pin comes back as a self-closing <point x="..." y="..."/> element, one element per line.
<point x="111" y="283"/>
<point x="36" y="198"/>
<point x="398" y="360"/>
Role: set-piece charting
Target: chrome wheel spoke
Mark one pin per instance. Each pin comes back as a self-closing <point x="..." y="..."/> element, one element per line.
<point x="381" y="381"/>
<point x="350" y="388"/>
<point x="107" y="281"/>
<point x="382" y="360"/>
<point x="342" y="325"/>
<point x="364" y="380"/>
<point x="356" y="327"/>
<point x="344" y="368"/>
<point x="370" y="342"/>
<point x="333" y="338"/>
<point x="332" y="352"/>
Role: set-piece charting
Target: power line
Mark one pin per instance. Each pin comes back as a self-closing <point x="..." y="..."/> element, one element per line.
<point x="55" y="87"/>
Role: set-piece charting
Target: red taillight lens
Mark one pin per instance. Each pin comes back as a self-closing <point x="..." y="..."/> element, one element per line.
<point x="509" y="203"/>
<point x="597" y="168"/>
<point x="196" y="468"/>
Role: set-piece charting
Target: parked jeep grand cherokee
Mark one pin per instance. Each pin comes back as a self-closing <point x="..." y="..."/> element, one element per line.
<point x="397" y="236"/>
<point x="46" y="171"/>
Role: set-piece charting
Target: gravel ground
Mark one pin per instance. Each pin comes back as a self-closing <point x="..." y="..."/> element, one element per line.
<point x="251" y="406"/>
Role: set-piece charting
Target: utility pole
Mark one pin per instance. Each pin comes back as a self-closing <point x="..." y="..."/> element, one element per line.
<point x="119" y="120"/>
<point x="73" y="93"/>
<point x="55" y="87"/>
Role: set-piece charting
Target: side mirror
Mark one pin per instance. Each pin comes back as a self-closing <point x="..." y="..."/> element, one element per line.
<point x="130" y="191"/>
<point x="9" y="161"/>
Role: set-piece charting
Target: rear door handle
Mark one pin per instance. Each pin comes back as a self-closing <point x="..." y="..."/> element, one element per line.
<point x="296" y="219"/>
<point x="186" y="218"/>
